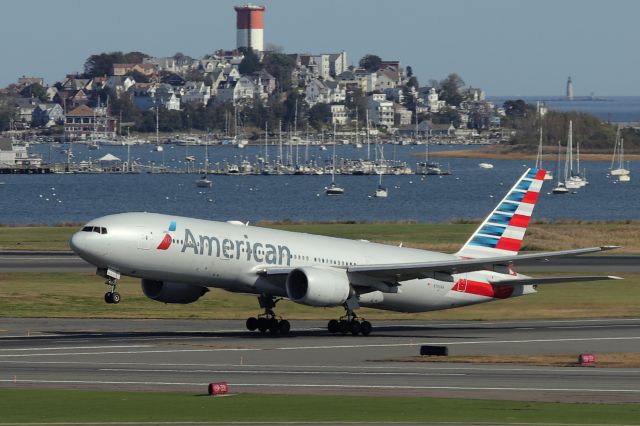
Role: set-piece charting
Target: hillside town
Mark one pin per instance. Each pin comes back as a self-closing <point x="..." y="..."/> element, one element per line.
<point x="235" y="94"/>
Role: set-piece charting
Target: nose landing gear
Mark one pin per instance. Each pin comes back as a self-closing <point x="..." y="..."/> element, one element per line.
<point x="112" y="296"/>
<point x="268" y="321"/>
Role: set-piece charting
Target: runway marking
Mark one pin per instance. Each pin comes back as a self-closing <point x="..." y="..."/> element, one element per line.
<point x="334" y="386"/>
<point x="293" y="348"/>
<point x="79" y="347"/>
<point x="305" y="372"/>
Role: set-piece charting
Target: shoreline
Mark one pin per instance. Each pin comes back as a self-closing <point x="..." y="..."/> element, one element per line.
<point x="508" y="153"/>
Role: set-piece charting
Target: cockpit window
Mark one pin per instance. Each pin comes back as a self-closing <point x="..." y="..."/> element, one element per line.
<point x="96" y="229"/>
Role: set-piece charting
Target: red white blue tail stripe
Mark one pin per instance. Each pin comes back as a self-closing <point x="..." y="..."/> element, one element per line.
<point x="502" y="231"/>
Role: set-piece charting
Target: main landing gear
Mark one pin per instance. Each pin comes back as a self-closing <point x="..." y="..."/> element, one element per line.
<point x="350" y="323"/>
<point x="268" y="321"/>
<point x="112" y="296"/>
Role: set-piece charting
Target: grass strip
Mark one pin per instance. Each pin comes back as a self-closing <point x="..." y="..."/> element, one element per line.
<point x="80" y="295"/>
<point x="76" y="406"/>
<point x="558" y="235"/>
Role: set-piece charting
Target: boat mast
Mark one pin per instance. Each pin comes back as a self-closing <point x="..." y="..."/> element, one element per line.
<point x="333" y="168"/>
<point x="368" y="141"/>
<point x="570" y="147"/>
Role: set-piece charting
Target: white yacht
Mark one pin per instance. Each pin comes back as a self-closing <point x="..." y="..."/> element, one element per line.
<point x="618" y="156"/>
<point x="381" y="191"/>
<point x="485" y="165"/>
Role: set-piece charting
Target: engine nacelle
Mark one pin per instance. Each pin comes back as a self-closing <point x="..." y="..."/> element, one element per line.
<point x="318" y="286"/>
<point x="172" y="292"/>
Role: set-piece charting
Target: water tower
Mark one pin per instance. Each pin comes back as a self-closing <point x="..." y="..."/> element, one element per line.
<point x="250" y="27"/>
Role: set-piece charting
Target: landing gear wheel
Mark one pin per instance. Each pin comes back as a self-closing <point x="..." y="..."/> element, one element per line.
<point x="273" y="325"/>
<point x="284" y="327"/>
<point x="343" y="326"/>
<point x="112" y="296"/>
<point x="354" y="327"/>
<point x="263" y="324"/>
<point x="333" y="326"/>
<point x="252" y="323"/>
<point x="365" y="328"/>
<point x="268" y="321"/>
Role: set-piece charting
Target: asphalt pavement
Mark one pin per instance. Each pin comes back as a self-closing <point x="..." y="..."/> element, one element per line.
<point x="187" y="355"/>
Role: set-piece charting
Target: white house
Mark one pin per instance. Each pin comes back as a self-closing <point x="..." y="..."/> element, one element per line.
<point x="433" y="102"/>
<point x="324" y="92"/>
<point x="339" y="114"/>
<point x="196" y="92"/>
<point x="236" y="91"/>
<point x="380" y="110"/>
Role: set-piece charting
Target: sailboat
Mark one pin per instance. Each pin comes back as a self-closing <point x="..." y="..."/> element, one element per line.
<point x="429" y="167"/>
<point x="381" y="191"/>
<point x="203" y="182"/>
<point x="560" y="187"/>
<point x="618" y="154"/>
<point x="548" y="175"/>
<point x="334" y="188"/>
<point x="572" y="180"/>
<point x="158" y="147"/>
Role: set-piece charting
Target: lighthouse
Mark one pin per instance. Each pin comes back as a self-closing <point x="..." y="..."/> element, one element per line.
<point x="569" y="89"/>
<point x="250" y="27"/>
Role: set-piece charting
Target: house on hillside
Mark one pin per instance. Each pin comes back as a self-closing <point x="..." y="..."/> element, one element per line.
<point x="236" y="91"/>
<point x="124" y="69"/>
<point x="82" y="122"/>
<point x="380" y="110"/>
<point x="47" y="115"/>
<point x="324" y="92"/>
<point x="196" y="92"/>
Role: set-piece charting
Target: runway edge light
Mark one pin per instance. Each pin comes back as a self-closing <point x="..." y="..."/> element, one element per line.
<point x="220" y="388"/>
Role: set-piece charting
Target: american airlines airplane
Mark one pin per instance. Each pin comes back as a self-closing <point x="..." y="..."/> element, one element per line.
<point x="180" y="258"/>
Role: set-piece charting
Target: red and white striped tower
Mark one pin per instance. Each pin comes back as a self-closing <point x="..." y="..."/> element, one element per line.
<point x="250" y="27"/>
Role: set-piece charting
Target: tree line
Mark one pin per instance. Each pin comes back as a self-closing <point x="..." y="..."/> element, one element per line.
<point x="592" y="133"/>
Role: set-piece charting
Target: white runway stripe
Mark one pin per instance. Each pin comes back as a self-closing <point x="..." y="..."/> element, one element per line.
<point x="298" y="348"/>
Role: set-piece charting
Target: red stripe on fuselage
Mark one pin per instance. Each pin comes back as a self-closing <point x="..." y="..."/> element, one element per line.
<point x="480" y="288"/>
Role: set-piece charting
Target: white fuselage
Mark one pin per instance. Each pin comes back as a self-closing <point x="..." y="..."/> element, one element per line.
<point x="232" y="255"/>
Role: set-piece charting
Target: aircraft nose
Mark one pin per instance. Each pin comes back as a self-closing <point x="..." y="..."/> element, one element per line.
<point x="77" y="243"/>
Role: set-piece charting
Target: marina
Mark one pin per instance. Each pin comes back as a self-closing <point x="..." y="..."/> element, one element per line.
<point x="465" y="195"/>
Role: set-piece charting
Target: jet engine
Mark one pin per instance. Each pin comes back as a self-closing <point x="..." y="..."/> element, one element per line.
<point x="315" y="286"/>
<point x="172" y="292"/>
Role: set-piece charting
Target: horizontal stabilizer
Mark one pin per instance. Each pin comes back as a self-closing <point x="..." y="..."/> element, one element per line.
<point x="554" y="280"/>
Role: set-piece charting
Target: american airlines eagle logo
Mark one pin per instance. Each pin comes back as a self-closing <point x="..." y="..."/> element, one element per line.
<point x="166" y="241"/>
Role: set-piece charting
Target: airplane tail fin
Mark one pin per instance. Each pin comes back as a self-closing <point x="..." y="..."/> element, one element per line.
<point x="501" y="233"/>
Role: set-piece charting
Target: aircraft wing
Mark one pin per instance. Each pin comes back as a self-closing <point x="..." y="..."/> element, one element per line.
<point x="554" y="280"/>
<point x="407" y="271"/>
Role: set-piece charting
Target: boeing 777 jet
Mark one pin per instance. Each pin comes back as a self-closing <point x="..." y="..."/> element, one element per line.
<point x="179" y="258"/>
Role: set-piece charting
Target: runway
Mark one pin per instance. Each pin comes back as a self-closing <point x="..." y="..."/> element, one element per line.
<point x="25" y="261"/>
<point x="187" y="355"/>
